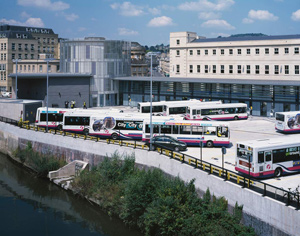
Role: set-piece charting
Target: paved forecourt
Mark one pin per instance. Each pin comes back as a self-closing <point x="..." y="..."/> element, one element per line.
<point x="241" y="130"/>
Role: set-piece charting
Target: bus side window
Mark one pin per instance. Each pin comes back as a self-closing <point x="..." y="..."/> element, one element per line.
<point x="194" y="112"/>
<point x="260" y="158"/>
<point x="155" y="129"/>
<point x="268" y="156"/>
<point x="198" y="112"/>
<point x="175" y="129"/>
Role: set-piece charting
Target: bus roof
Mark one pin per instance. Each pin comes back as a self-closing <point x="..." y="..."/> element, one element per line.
<point x="169" y="121"/>
<point x="168" y="103"/>
<point x="271" y="143"/>
<point x="223" y="105"/>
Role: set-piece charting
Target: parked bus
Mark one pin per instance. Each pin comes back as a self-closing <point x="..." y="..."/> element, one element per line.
<point x="191" y="132"/>
<point x="78" y="121"/>
<point x="268" y="157"/>
<point x="288" y="122"/>
<point x="177" y="107"/>
<point x="180" y="108"/>
<point x="228" y="111"/>
<point x="55" y="117"/>
<point x="116" y="126"/>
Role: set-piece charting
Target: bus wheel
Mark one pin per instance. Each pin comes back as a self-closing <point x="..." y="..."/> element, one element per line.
<point x="85" y="131"/>
<point x="204" y="118"/>
<point x="278" y="172"/>
<point x="59" y="127"/>
<point x="176" y="149"/>
<point x="236" y="118"/>
<point x="114" y="136"/>
<point x="209" y="144"/>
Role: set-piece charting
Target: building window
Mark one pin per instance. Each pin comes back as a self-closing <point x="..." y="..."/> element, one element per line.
<point x="177" y="53"/>
<point x="214" y="52"/>
<point x="18" y="36"/>
<point x="239" y="51"/>
<point x="177" y="41"/>
<point x="24" y="67"/>
<point x="248" y="51"/>
<point x="32" y="47"/>
<point x="214" y="69"/>
<point x="230" y="69"/>
<point x="41" y="68"/>
<point x="266" y="50"/>
<point x="248" y="69"/>
<point x="198" y="52"/>
<point x="44" y="49"/>
<point x="296" y="50"/>
<point x="26" y="56"/>
<point x="276" y="69"/>
<point x="222" y="51"/>
<point x="31" y="56"/>
<point x="177" y="68"/>
<point x="1" y="46"/>
<point x="19" y="56"/>
<point x="87" y="52"/>
<point x="191" y="52"/>
<point x="239" y="69"/>
<point x="26" y="47"/>
<point x="267" y="69"/>
<point x="33" y="68"/>
<point x="256" y="50"/>
<point x="198" y="68"/>
<point x="286" y="69"/>
<point x="29" y="67"/>
<point x="206" y="52"/>
<point x="230" y="51"/>
<point x="286" y="50"/>
<point x="296" y="69"/>
<point x="191" y="68"/>
<point x="257" y="69"/>
<point x="222" y="69"/>
<point x="206" y="68"/>
<point x="276" y="50"/>
<point x="20" y="67"/>
<point x="13" y="56"/>
<point x="20" y="46"/>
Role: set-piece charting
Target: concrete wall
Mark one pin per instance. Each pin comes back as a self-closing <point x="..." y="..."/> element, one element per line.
<point x="266" y="215"/>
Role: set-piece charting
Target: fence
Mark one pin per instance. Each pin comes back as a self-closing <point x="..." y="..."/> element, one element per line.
<point x="288" y="197"/>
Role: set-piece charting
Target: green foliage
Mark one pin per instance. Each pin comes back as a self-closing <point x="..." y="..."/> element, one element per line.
<point x="42" y="164"/>
<point x="157" y="204"/>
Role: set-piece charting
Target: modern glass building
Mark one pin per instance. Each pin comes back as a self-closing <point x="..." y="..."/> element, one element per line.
<point x="104" y="59"/>
<point x="262" y="95"/>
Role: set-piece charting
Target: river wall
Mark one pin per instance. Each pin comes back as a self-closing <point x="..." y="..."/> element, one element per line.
<point x="265" y="215"/>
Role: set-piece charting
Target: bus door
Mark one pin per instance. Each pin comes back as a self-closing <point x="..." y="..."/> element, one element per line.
<point x="268" y="161"/>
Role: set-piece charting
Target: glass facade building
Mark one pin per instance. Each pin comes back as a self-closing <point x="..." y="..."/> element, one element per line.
<point x="263" y="96"/>
<point x="104" y="59"/>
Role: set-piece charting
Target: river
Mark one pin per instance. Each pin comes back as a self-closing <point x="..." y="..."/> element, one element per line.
<point x="35" y="206"/>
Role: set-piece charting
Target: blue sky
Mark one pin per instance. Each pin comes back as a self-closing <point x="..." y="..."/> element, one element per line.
<point x="150" y="22"/>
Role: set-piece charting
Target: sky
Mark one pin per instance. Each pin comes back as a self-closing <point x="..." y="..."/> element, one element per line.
<point x="149" y="22"/>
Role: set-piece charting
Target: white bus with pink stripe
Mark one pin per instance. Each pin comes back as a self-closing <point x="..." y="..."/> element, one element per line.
<point x="288" y="122"/>
<point x="210" y="133"/>
<point x="228" y="111"/>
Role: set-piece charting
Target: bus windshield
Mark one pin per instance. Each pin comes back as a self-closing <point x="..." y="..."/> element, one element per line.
<point x="279" y="117"/>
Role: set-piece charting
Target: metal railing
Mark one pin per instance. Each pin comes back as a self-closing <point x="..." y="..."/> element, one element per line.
<point x="266" y="190"/>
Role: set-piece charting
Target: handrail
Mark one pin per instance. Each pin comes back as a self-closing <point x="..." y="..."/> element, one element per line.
<point x="279" y="194"/>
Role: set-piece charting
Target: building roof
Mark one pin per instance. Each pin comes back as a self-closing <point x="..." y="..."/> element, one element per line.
<point x="281" y="82"/>
<point x="246" y="38"/>
<point x="23" y="29"/>
<point x="51" y="75"/>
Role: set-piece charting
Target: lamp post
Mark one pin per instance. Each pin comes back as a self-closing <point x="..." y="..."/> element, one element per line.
<point x="47" y="60"/>
<point x="16" y="61"/>
<point x="151" y="127"/>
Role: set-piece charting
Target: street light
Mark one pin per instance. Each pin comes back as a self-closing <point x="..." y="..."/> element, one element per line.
<point x="16" y="61"/>
<point x="151" y="127"/>
<point x="47" y="60"/>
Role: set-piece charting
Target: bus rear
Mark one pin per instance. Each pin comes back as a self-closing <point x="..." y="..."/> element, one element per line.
<point x="288" y="122"/>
